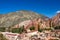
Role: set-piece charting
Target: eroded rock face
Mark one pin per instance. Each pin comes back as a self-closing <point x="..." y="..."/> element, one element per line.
<point x="56" y="20"/>
<point x="36" y="23"/>
<point x="42" y="22"/>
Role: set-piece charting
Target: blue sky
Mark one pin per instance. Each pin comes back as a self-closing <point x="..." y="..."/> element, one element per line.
<point x="45" y="7"/>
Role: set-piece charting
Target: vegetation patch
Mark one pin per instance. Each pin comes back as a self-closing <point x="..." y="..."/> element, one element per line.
<point x="32" y="28"/>
<point x="18" y="30"/>
<point x="2" y="29"/>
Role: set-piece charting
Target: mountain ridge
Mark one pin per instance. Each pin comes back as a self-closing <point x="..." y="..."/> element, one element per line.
<point x="13" y="18"/>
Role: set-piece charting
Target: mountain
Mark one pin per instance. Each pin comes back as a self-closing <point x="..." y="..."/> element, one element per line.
<point x="13" y="18"/>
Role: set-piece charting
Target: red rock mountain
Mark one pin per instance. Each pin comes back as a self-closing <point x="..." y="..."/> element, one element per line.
<point x="42" y="22"/>
<point x="28" y="19"/>
<point x="56" y="20"/>
<point x="13" y="18"/>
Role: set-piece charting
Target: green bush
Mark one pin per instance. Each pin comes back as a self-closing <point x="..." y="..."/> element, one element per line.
<point x="18" y="30"/>
<point x="40" y="30"/>
<point x="21" y="29"/>
<point x="32" y="28"/>
<point x="2" y="29"/>
<point x="15" y="30"/>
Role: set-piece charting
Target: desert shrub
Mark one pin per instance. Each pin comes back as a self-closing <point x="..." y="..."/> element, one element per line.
<point x="32" y="28"/>
<point x="2" y="29"/>
<point x="18" y="30"/>
<point x="40" y="30"/>
<point x="15" y="30"/>
<point x="21" y="29"/>
<point x="57" y="27"/>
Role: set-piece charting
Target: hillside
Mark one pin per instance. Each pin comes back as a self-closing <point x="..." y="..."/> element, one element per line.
<point x="13" y="18"/>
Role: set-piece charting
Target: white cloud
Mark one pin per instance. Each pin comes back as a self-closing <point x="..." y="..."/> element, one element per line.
<point x="58" y="12"/>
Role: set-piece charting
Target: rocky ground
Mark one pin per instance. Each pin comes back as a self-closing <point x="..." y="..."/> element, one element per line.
<point x="46" y="35"/>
